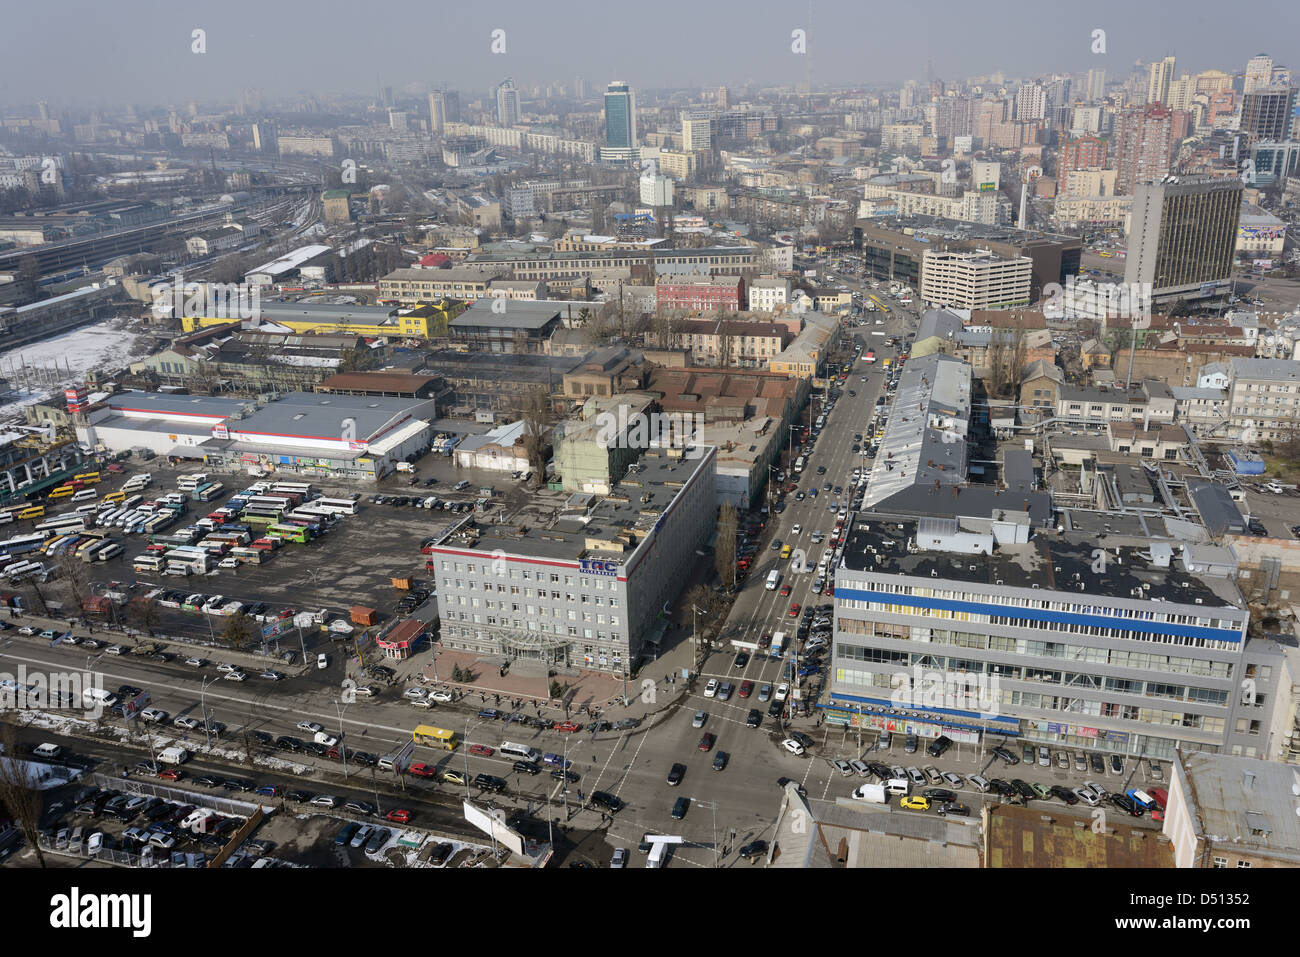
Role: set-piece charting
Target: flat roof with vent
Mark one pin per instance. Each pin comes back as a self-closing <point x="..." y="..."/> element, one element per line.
<point x="320" y="415"/>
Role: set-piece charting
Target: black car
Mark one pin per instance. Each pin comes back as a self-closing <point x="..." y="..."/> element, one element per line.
<point x="676" y="773"/>
<point x="288" y="743"/>
<point x="560" y="774"/>
<point x="261" y="737"/>
<point x="1006" y="756"/>
<point x="627" y="723"/>
<point x="1126" y="803"/>
<point x="608" y="801"/>
<point x="720" y="760"/>
<point x="490" y="713"/>
<point x="1005" y="788"/>
<point x="527" y="767"/>
<point x="236" y="784"/>
<point x="1098" y="765"/>
<point x="1024" y="790"/>
<point x="128" y="691"/>
<point x="299" y="797"/>
<point x="440" y="854"/>
<point x="938" y="794"/>
<point x="227" y="825"/>
<point x="880" y="771"/>
<point x="753" y="849"/>
<point x="782" y="782"/>
<point x="365" y="759"/>
<point x="207" y="781"/>
<point x="1065" y="794"/>
<point x="317" y="749"/>
<point x="938" y="746"/>
<point x="490" y="782"/>
<point x="742" y="659"/>
<point x="954" y="809"/>
<point x="774" y="709"/>
<point x="679" y="808"/>
<point x="755" y="718"/>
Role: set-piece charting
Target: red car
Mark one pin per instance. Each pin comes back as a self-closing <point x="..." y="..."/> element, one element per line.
<point x="399" y="816"/>
<point x="482" y="750"/>
<point x="794" y="610"/>
<point x="566" y="726"/>
<point x="116" y="469"/>
<point x="746" y="687"/>
<point x="422" y="770"/>
<point x="706" y="742"/>
<point x="785" y="591"/>
<point x="171" y="774"/>
<point x="1160" y="795"/>
<point x="764" y="641"/>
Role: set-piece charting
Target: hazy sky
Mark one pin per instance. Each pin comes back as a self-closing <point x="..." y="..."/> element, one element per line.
<point x="94" y="52"/>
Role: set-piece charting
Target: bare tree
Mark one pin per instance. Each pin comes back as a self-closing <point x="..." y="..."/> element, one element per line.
<point x="18" y="799"/>
<point x="724" y="553"/>
<point x="537" y="418"/>
<point x="238" y="631"/>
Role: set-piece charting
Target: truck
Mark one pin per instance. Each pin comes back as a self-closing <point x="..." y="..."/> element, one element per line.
<point x="773" y="579"/>
<point x="405" y="467"/>
<point x="778" y="641"/>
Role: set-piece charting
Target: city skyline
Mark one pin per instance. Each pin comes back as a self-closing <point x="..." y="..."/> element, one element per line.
<point x="286" y="54"/>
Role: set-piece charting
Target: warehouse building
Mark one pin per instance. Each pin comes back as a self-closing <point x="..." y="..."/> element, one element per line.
<point x="342" y="436"/>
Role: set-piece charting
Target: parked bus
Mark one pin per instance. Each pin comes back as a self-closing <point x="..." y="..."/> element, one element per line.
<point x="261" y="516"/>
<point x="798" y="465"/>
<point x="199" y="564"/>
<point x="62" y="525"/>
<point x="90" y="478"/>
<point x="114" y="497"/>
<point x="63" y="491"/>
<point x="281" y="502"/>
<point x="6" y="517"/>
<point x="109" y="552"/>
<point x="335" y="506"/>
<point x="32" y="511"/>
<point x="188" y="483"/>
<point x="23" y="569"/>
<point x="92" y="539"/>
<point x="246" y="555"/>
<point x="301" y="489"/>
<point x="294" y="533"/>
<point x="434" y="737"/>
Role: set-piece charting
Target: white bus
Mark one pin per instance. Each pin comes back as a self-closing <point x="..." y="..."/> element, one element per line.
<point x="188" y="483"/>
<point x="63" y="525"/>
<point x="24" y="568"/>
<point x="111" y="551"/>
<point x="293" y="488"/>
<point x="147" y="563"/>
<point x="335" y="506"/>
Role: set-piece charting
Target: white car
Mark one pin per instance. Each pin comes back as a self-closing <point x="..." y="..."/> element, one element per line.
<point x="1087" y="796"/>
<point x="153" y="715"/>
<point x="196" y="662"/>
<point x="411" y="694"/>
<point x="189" y="724"/>
<point x="310" y="726"/>
<point x="795" y="530"/>
<point x="440" y="695"/>
<point x="711" y="689"/>
<point x="226" y="668"/>
<point x="322" y="661"/>
<point x="1274" y="488"/>
<point x="782" y="692"/>
<point x="793" y="746"/>
<point x="235" y="676"/>
<point x="326" y="739"/>
<point x="952" y="778"/>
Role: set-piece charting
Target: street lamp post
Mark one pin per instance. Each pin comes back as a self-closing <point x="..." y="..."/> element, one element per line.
<point x="343" y="748"/>
<point x="203" y="708"/>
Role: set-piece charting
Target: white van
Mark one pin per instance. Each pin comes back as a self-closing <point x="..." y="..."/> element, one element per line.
<point x="173" y="755"/>
<point x="198" y="820"/>
<point x="47" y="750"/>
<point x="773" y="579"/>
<point x="91" y="697"/>
<point x="520" y="751"/>
<point x="898" y="786"/>
<point x="85" y="495"/>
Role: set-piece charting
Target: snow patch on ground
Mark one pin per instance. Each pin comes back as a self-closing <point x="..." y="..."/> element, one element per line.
<point x="103" y="345"/>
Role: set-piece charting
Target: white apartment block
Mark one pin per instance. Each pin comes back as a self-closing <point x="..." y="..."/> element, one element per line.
<point x="977" y="280"/>
<point x="1264" y="396"/>
<point x="768" y="294"/>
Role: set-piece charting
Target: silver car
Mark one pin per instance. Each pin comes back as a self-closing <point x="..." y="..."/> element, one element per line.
<point x="699" y="719"/>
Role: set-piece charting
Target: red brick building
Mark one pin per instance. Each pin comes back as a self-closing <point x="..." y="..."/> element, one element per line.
<point x="715" y="294"/>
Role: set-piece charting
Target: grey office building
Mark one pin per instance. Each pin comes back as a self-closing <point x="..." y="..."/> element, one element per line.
<point x="1182" y="236"/>
<point x="588" y="590"/>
